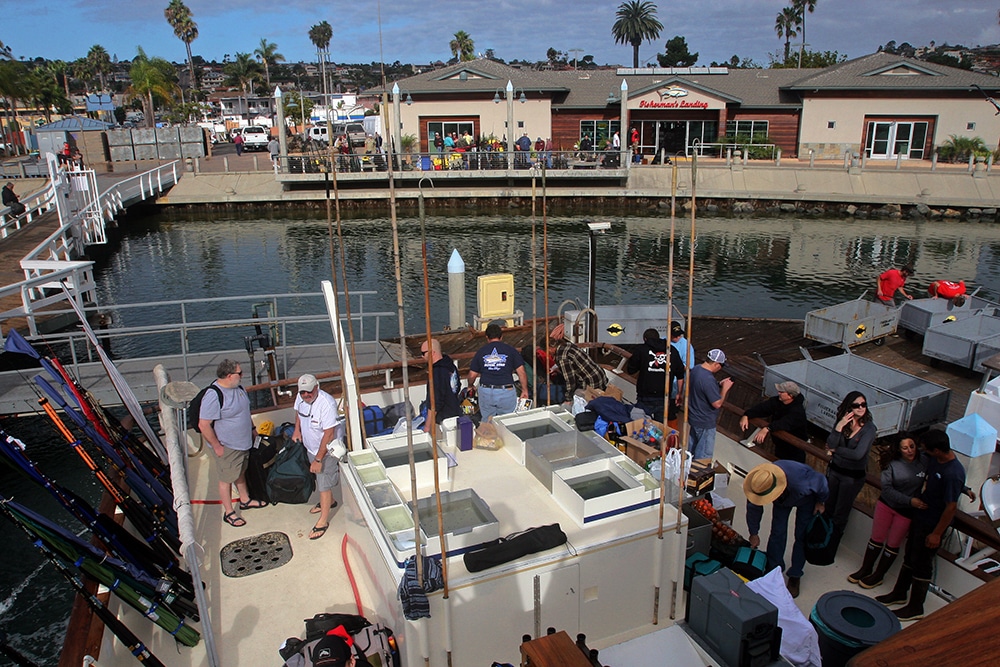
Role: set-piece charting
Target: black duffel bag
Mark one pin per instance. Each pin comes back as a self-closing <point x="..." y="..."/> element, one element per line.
<point x="822" y="540"/>
<point x="512" y="547"/>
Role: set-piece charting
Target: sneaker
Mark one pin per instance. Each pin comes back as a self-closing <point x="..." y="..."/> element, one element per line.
<point x="793" y="586"/>
<point x="909" y="613"/>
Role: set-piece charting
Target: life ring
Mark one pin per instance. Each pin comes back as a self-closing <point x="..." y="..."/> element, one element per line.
<point x="946" y="288"/>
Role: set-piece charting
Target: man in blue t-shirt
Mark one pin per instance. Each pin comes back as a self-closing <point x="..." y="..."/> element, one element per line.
<point x="945" y="481"/>
<point x="495" y="365"/>
<point x="705" y="398"/>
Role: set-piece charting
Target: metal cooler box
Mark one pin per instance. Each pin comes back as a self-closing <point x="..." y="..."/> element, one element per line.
<point x="920" y="314"/>
<point x="824" y="389"/>
<point x="926" y="403"/>
<point x="964" y="342"/>
<point x="851" y="323"/>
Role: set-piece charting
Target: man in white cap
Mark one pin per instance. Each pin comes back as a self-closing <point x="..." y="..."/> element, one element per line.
<point x="787" y="412"/>
<point x="787" y="485"/>
<point x="705" y="398"/>
<point x="316" y="427"/>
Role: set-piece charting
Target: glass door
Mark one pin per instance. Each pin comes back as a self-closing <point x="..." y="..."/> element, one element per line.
<point x="888" y="139"/>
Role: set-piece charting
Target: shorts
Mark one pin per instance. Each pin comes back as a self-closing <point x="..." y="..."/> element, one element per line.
<point x="329" y="476"/>
<point x="232" y="464"/>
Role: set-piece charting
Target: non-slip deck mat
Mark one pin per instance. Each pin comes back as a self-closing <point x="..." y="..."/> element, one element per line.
<point x="259" y="553"/>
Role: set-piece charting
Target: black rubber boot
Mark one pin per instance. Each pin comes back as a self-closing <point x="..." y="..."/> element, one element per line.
<point x="871" y="555"/>
<point x="875" y="578"/>
<point x="899" y="593"/>
<point x="914" y="609"/>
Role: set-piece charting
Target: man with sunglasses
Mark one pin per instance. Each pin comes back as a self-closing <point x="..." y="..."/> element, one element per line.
<point x="225" y="424"/>
<point x="316" y="427"/>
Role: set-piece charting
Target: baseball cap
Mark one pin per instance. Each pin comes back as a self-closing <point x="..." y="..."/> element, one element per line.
<point x="308" y="382"/>
<point x="718" y="356"/>
<point x="676" y="329"/>
<point x="788" y="387"/>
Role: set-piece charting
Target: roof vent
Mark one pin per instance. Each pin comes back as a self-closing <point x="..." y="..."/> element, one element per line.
<point x="464" y="76"/>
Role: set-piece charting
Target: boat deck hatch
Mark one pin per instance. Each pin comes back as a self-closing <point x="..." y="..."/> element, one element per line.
<point x="259" y="553"/>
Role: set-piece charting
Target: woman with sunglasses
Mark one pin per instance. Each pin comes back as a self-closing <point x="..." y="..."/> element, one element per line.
<point x="848" y="445"/>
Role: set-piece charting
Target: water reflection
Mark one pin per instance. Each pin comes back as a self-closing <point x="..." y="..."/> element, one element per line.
<point x="753" y="268"/>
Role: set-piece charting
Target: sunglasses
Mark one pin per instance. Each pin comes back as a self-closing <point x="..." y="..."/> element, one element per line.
<point x="306" y="393"/>
<point x="859" y="405"/>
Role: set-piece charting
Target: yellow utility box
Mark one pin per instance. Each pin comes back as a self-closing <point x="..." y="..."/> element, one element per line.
<point x="495" y="296"/>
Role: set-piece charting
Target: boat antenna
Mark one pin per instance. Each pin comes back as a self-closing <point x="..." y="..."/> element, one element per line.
<point x="545" y="268"/>
<point x="534" y="300"/>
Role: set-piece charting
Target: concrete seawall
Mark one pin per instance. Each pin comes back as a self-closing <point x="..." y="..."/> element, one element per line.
<point x="734" y="188"/>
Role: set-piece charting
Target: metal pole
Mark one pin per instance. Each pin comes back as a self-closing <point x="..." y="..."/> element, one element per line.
<point x="456" y="291"/>
<point x="282" y="139"/>
<point x="397" y="123"/>
<point x="623" y="125"/>
<point x="510" y="124"/>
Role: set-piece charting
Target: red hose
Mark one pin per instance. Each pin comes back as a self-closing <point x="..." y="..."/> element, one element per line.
<point x="350" y="576"/>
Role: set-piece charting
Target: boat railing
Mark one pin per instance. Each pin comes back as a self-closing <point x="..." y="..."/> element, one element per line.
<point x="186" y="327"/>
<point x="969" y="526"/>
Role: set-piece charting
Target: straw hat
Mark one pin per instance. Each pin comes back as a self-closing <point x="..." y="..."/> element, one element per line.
<point x="764" y="484"/>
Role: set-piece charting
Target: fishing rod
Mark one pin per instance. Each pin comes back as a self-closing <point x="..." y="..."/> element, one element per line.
<point x="153" y="475"/>
<point x="152" y="598"/>
<point x="160" y="509"/>
<point x="117" y="628"/>
<point x="115" y="538"/>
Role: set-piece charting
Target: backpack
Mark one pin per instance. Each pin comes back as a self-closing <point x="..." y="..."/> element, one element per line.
<point x="374" y="644"/>
<point x="289" y="480"/>
<point x="194" y="407"/>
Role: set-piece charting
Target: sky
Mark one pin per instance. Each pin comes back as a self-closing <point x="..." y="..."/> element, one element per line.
<point x="419" y="31"/>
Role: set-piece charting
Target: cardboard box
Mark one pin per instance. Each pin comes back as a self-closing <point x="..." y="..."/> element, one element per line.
<point x="639" y="451"/>
<point x="701" y="479"/>
<point x="590" y="393"/>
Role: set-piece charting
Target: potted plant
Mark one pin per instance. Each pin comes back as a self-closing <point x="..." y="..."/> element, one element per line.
<point x="407" y="143"/>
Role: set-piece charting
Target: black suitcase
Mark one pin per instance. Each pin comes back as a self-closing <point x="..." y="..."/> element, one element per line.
<point x="259" y="463"/>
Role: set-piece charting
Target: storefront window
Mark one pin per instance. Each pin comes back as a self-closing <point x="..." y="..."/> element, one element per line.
<point x="747" y="131"/>
<point x="600" y="131"/>
<point x="459" y="127"/>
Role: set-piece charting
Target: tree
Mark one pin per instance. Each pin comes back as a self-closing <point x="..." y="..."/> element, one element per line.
<point x="677" y="54"/>
<point x="180" y="19"/>
<point x="59" y="71"/>
<point x="46" y="94"/>
<point x="268" y="54"/>
<point x="462" y="46"/>
<point x="785" y="24"/>
<point x="99" y="62"/>
<point x="152" y="79"/>
<point x="801" y="7"/>
<point x="242" y="72"/>
<point x="809" y="59"/>
<point x="13" y="87"/>
<point x="320" y="35"/>
<point x="737" y="63"/>
<point x="636" y="22"/>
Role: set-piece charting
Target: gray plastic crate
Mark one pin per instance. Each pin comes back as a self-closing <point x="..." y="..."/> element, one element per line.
<point x="956" y="342"/>
<point x="623" y="325"/>
<point x="824" y="389"/>
<point x="926" y="402"/>
<point x="920" y="314"/>
<point x="851" y="323"/>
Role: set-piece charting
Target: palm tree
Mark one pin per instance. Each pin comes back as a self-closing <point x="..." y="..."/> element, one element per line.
<point x="462" y="47"/>
<point x="320" y="35"/>
<point x="241" y="72"/>
<point x="151" y="78"/>
<point x="636" y="23"/>
<point x="5" y="52"/>
<point x="59" y="70"/>
<point x="801" y="7"/>
<point x="13" y="87"/>
<point x="268" y="54"/>
<point x="785" y="25"/>
<point x="180" y="19"/>
<point x="99" y="62"/>
<point x="83" y="70"/>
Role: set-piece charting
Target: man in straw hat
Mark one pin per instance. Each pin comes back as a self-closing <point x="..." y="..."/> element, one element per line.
<point x="787" y="485"/>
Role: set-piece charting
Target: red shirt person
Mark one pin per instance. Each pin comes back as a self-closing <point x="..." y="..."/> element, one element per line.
<point x="892" y="281"/>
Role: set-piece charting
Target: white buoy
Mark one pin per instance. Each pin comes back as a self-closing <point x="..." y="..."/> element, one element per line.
<point x="456" y="291"/>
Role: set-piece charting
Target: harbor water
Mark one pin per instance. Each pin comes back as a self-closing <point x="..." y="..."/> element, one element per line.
<point x="779" y="268"/>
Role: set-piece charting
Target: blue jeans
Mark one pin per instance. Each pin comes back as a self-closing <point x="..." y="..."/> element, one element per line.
<point x="778" y="539"/>
<point x="496" y="401"/>
<point x="702" y="442"/>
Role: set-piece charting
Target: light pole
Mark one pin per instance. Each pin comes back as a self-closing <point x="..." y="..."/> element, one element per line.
<point x="397" y="123"/>
<point x="623" y="124"/>
<point x="595" y="229"/>
<point x="280" y="109"/>
<point x="510" y="124"/>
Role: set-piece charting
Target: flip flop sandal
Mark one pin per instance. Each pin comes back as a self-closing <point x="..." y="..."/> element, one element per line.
<point x="252" y="504"/>
<point x="234" y="520"/>
<point x="316" y="509"/>
<point x="321" y="530"/>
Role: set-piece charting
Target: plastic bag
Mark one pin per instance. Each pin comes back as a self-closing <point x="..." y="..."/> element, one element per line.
<point x="487" y="436"/>
<point x="579" y="404"/>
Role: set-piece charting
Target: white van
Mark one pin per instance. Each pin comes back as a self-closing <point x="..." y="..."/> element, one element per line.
<point x="318" y="134"/>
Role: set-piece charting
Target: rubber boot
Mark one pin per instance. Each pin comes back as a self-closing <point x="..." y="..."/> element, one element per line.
<point x="871" y="555"/>
<point x="899" y="592"/>
<point x="875" y="578"/>
<point x="914" y="609"/>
